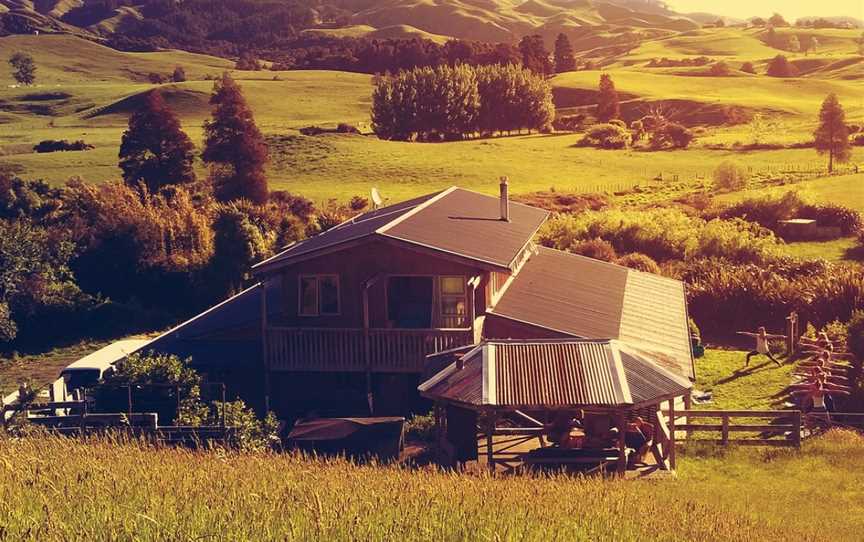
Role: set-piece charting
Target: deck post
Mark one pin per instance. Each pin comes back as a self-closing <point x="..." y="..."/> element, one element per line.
<point x="264" y="349"/>
<point x="621" y="424"/>
<point x="672" y="433"/>
<point x="367" y="346"/>
<point x="491" y="416"/>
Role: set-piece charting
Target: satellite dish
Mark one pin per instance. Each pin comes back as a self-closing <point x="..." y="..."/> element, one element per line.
<point x="377" y="200"/>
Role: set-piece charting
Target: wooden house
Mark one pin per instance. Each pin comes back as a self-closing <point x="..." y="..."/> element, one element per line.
<point x="343" y="322"/>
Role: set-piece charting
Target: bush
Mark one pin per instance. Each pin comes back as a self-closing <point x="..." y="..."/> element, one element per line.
<point x="748" y="67"/>
<point x="606" y="136"/>
<point x="344" y="128"/>
<point x="639" y="262"/>
<point x="835" y="216"/>
<point x="52" y="145"/>
<point x="595" y="248"/>
<point x="730" y="176"/>
<point x="156" y="78"/>
<point x="731" y="297"/>
<point x="420" y="428"/>
<point x="738" y="241"/>
<point x="855" y="337"/>
<point x="720" y="69"/>
<point x="671" y="136"/>
<point x="619" y="123"/>
<point x="569" y="123"/>
<point x="765" y="211"/>
<point x="179" y="75"/>
<point x="858" y="140"/>
<point x="781" y="67"/>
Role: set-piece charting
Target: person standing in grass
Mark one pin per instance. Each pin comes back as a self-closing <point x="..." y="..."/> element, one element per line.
<point x="762" y="346"/>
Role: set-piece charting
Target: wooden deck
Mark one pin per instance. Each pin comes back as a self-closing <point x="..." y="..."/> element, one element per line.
<point x="358" y="350"/>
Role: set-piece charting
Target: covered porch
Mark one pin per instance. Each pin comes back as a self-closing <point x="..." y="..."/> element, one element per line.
<point x="575" y="405"/>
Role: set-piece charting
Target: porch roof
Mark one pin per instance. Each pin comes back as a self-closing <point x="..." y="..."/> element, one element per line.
<point x="455" y="222"/>
<point x="550" y="374"/>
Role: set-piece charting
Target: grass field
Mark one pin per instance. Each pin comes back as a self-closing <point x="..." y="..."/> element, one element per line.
<point x="55" y="489"/>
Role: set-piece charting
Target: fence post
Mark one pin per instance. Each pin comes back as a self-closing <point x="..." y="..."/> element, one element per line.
<point x="796" y="427"/>
<point x="724" y="436"/>
<point x="129" y="400"/>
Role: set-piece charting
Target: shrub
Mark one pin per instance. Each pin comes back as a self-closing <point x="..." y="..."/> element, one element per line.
<point x="858" y="140"/>
<point x="595" y="248"/>
<point x="833" y="215"/>
<point x="781" y="67"/>
<point x="738" y="241"/>
<point x="154" y="368"/>
<point x="156" y="78"/>
<point x="731" y="297"/>
<point x="730" y="176"/>
<point x="420" y="428"/>
<point x="720" y="69"/>
<point x="765" y="211"/>
<point x="748" y="67"/>
<point x="344" y="128"/>
<point x="51" y="145"/>
<point x="855" y="335"/>
<point x="569" y="123"/>
<point x="606" y="136"/>
<point x="671" y="135"/>
<point x="619" y="123"/>
<point x="179" y="75"/>
<point x="640" y="262"/>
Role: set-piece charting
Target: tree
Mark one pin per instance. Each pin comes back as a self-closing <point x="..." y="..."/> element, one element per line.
<point x="564" y="59"/>
<point x="793" y="44"/>
<point x="781" y="67"/>
<point x="608" y="107"/>
<point x="748" y="67"/>
<point x="832" y="135"/>
<point x="535" y="57"/>
<point x="23" y="68"/>
<point x="179" y="75"/>
<point x="154" y="149"/>
<point x="777" y="20"/>
<point x="720" y="69"/>
<point x="234" y="146"/>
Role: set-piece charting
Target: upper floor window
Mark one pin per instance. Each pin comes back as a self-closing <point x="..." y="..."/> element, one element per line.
<point x="454" y="305"/>
<point x="319" y="295"/>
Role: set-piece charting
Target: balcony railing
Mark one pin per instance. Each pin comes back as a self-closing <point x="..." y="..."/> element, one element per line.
<point x="337" y="350"/>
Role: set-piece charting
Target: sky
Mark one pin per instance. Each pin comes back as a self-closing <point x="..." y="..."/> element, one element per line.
<point x="790" y="9"/>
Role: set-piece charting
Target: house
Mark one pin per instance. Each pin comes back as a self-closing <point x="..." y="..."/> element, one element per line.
<point x="342" y="323"/>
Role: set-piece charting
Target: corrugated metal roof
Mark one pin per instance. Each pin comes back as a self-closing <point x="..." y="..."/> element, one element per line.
<point x="589" y="298"/>
<point x="455" y="221"/>
<point x="555" y="374"/>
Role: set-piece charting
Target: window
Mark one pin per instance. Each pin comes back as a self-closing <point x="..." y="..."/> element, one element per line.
<point x="454" y="305"/>
<point x="319" y="295"/>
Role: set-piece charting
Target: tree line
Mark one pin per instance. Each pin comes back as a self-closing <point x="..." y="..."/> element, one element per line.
<point x="451" y="103"/>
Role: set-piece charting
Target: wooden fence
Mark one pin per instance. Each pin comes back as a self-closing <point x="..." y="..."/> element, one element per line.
<point x="778" y="427"/>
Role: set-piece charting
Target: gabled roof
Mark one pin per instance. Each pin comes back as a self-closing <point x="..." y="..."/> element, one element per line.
<point x="457" y="222"/>
<point x="589" y="298"/>
<point x="555" y="373"/>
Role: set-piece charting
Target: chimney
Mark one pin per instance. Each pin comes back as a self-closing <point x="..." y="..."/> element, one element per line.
<point x="505" y="200"/>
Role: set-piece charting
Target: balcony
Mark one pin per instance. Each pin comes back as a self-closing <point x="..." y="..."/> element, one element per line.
<point x="353" y="350"/>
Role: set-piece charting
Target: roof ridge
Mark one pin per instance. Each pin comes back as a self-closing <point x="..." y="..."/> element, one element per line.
<point x="415" y="210"/>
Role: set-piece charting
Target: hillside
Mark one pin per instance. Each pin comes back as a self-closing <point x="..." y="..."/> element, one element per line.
<point x="86" y="91"/>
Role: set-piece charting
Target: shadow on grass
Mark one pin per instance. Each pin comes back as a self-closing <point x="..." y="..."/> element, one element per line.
<point x="744" y="371"/>
<point x="855" y="253"/>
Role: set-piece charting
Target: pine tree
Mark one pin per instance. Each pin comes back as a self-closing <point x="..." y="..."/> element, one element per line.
<point x="832" y="135"/>
<point x="24" y="69"/>
<point x="155" y="150"/>
<point x="564" y="59"/>
<point x="234" y="146"/>
<point x="607" y="102"/>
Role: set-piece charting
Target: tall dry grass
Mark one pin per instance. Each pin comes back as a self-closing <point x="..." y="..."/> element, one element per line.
<point x="56" y="489"/>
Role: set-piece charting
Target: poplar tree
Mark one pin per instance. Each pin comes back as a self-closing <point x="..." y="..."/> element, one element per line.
<point x="233" y="146"/>
<point x="832" y="135"/>
<point x="154" y="149"/>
